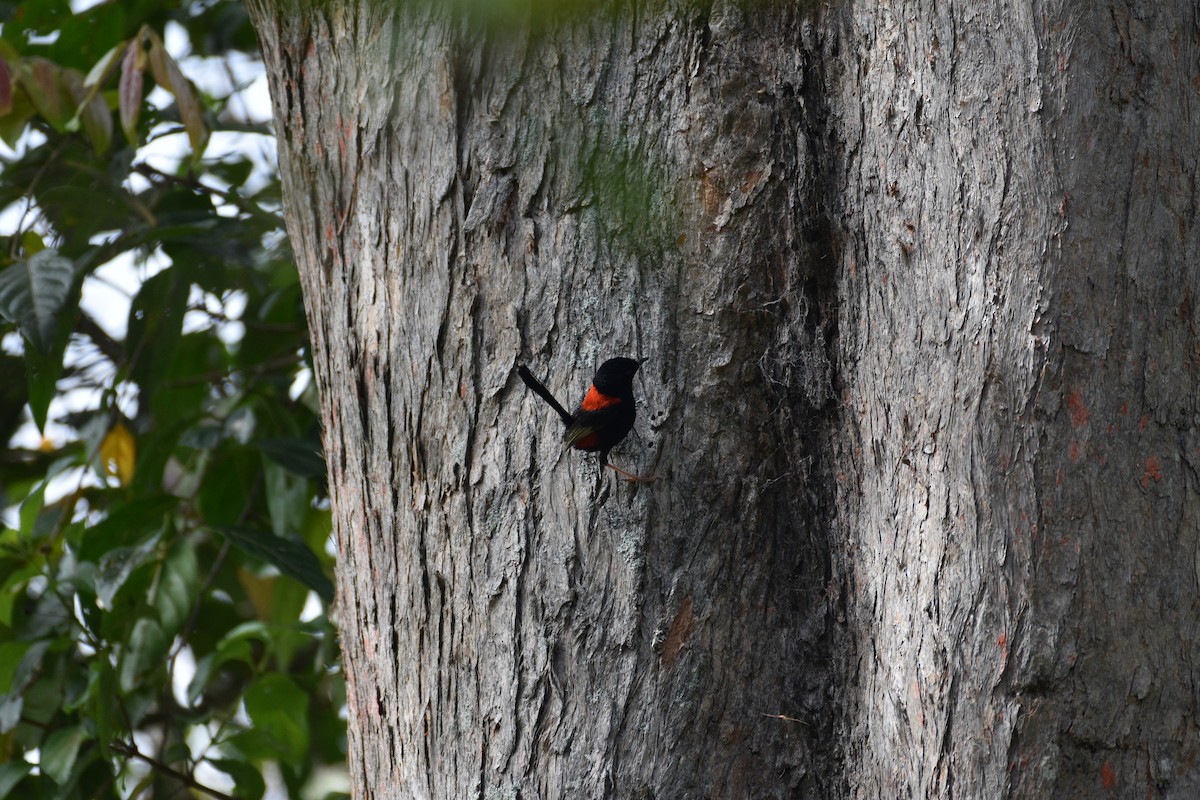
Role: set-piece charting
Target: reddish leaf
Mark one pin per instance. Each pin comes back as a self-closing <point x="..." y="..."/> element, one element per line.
<point x="6" y="88"/>
<point x="40" y="80"/>
<point x="130" y="90"/>
<point x="167" y="73"/>
<point x="90" y="109"/>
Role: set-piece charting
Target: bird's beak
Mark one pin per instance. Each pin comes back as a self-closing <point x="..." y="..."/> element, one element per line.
<point x="642" y="361"/>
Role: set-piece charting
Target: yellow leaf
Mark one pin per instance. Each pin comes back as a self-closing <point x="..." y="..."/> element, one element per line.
<point x="118" y="453"/>
<point x="259" y="590"/>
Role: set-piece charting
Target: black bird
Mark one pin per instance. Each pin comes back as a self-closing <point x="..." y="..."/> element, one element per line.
<point x="605" y="416"/>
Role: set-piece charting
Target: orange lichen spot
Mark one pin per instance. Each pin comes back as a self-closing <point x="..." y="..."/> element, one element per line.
<point x="1152" y="472"/>
<point x="1143" y="422"/>
<point x="1002" y="641"/>
<point x="681" y="628"/>
<point x="1124" y="409"/>
<point x="1079" y="412"/>
<point x="596" y="400"/>
<point x="1108" y="776"/>
<point x="1075" y="451"/>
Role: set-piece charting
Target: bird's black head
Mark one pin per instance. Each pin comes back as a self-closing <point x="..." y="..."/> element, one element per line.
<point x="615" y="376"/>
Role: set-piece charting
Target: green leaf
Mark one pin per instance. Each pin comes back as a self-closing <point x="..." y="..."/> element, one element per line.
<point x="42" y="371"/>
<point x="14" y="123"/>
<point x="11" y="706"/>
<point x="155" y="327"/>
<point x="291" y="556"/>
<point x="104" y="699"/>
<point x="11" y="654"/>
<point x="101" y="69"/>
<point x="126" y="525"/>
<point x="12" y="590"/>
<point x="117" y="565"/>
<point x="287" y="498"/>
<point x="60" y="752"/>
<point x="12" y="703"/>
<point x="247" y="780"/>
<point x="11" y="774"/>
<point x="177" y="587"/>
<point x="147" y="645"/>
<point x="31" y="507"/>
<point x="32" y="293"/>
<point x="300" y="457"/>
<point x="279" y="709"/>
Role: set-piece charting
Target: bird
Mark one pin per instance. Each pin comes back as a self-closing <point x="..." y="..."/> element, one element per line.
<point x="606" y="414"/>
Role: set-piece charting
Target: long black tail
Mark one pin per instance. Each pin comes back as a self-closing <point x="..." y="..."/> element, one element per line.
<point x="544" y="393"/>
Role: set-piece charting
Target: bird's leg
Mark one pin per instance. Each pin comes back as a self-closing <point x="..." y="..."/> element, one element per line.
<point x="629" y="476"/>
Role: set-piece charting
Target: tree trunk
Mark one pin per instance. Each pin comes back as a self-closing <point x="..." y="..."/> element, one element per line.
<point x="916" y="285"/>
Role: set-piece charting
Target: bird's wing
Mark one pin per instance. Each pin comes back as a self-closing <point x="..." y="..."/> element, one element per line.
<point x="584" y="431"/>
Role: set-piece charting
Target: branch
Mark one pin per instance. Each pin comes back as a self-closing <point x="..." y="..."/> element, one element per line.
<point x="129" y="750"/>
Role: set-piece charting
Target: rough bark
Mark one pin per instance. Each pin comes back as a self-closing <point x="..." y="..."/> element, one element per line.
<point x="514" y="622"/>
<point x="916" y="284"/>
<point x="1018" y="191"/>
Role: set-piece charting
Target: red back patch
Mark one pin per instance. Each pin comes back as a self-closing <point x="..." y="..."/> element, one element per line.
<point x="596" y="400"/>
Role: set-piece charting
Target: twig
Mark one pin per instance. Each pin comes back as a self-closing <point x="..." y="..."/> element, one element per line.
<point x="129" y="750"/>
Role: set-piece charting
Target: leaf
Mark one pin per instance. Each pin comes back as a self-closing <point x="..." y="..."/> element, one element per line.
<point x="40" y="80"/>
<point x="12" y="704"/>
<point x="90" y="110"/>
<point x="32" y="293"/>
<point x="13" y="590"/>
<point x="98" y="74"/>
<point x="147" y="645"/>
<point x="43" y="369"/>
<point x="14" y="123"/>
<point x="32" y="242"/>
<point x="11" y="654"/>
<point x="167" y="73"/>
<point x="279" y="709"/>
<point x="177" y="587"/>
<point x="11" y="774"/>
<point x="300" y="457"/>
<point x="118" y="454"/>
<point x="155" y="328"/>
<point x="247" y="780"/>
<point x="104" y="699"/>
<point x="60" y="751"/>
<point x="116" y="566"/>
<point x="291" y="556"/>
<point x="287" y="498"/>
<point x="127" y="524"/>
<point x="129" y="90"/>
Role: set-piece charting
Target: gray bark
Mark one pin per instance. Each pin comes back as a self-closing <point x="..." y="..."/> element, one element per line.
<point x="916" y="284"/>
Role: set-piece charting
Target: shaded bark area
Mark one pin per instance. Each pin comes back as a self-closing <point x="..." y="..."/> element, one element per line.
<point x="561" y="190"/>
<point x="1018" y="199"/>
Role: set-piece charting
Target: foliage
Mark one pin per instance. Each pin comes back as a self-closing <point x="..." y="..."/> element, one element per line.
<point x="174" y="521"/>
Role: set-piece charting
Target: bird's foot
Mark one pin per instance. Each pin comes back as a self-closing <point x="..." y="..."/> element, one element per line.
<point x="629" y="476"/>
